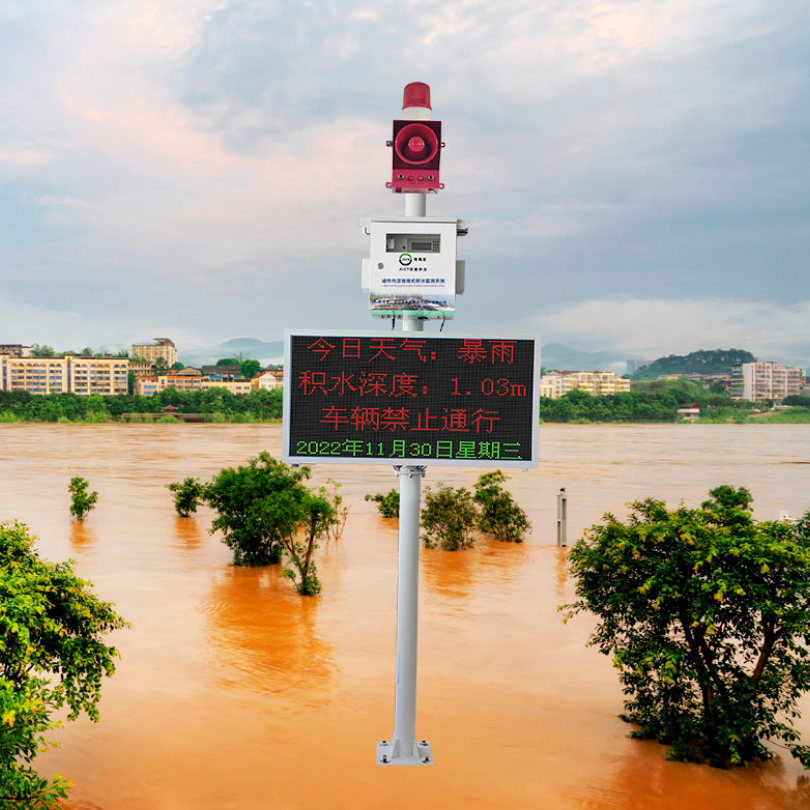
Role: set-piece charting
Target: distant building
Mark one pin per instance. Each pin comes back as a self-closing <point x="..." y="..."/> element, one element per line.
<point x="556" y="384"/>
<point x="236" y="387"/>
<point x="141" y="368"/>
<point x="708" y="380"/>
<point x="764" y="380"/>
<point x="154" y="384"/>
<point x="68" y="374"/>
<point x="161" y="348"/>
<point x="636" y="363"/>
<point x="690" y="411"/>
<point x="188" y="371"/>
<point x="268" y="380"/>
<point x="15" y="350"/>
<point x="221" y="371"/>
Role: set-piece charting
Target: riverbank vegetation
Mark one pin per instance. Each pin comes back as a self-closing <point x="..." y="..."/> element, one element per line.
<point x="705" y="614"/>
<point x="649" y="401"/>
<point x="52" y="657"/>
<point x="656" y="401"/>
<point x="216" y="405"/>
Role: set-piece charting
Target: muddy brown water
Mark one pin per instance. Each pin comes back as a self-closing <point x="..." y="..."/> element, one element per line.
<point x="233" y="692"/>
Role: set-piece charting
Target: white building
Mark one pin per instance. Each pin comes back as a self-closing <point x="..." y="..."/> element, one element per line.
<point x="761" y="381"/>
<point x="268" y="380"/>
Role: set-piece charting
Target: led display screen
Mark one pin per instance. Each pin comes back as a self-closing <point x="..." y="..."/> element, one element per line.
<point x="410" y="398"/>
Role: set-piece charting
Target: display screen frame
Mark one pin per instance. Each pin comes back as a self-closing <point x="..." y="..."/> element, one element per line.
<point x="290" y="384"/>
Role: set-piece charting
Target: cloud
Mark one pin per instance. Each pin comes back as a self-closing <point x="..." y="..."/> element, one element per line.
<point x="199" y="166"/>
<point x="651" y="328"/>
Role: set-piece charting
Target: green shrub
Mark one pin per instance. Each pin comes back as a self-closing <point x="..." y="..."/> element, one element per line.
<point x="499" y="515"/>
<point x="8" y="417"/>
<point x="97" y="417"/>
<point x="388" y="504"/>
<point x="169" y="419"/>
<point x="52" y="657"/>
<point x="705" y="613"/>
<point x="187" y="495"/>
<point x="82" y="501"/>
<point x="266" y="512"/>
<point x="448" y="518"/>
<point x="217" y="417"/>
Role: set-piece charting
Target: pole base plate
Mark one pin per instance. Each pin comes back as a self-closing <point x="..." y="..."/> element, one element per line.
<point x="420" y="754"/>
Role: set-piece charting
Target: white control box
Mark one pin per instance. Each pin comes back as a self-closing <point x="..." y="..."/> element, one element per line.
<point x="413" y="267"/>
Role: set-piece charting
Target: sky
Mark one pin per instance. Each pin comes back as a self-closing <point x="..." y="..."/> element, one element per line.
<point x="636" y="174"/>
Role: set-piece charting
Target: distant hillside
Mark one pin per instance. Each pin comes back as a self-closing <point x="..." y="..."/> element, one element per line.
<point x="265" y="352"/>
<point x="711" y="361"/>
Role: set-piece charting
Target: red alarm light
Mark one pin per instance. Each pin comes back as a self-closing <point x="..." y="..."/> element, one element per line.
<point x="417" y="144"/>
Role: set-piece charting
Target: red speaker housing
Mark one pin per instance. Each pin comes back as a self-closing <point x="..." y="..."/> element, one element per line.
<point x="416" y="152"/>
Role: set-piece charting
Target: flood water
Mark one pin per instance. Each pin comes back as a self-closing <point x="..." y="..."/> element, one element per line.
<point x="234" y="692"/>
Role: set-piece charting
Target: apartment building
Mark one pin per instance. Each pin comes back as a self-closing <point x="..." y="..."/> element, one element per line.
<point x="161" y="348"/>
<point x="765" y="380"/>
<point x="154" y="384"/>
<point x="236" y="387"/>
<point x="141" y="367"/>
<point x="61" y="375"/>
<point x="556" y="384"/>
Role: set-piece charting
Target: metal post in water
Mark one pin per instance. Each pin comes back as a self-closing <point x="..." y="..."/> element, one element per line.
<point x="562" y="518"/>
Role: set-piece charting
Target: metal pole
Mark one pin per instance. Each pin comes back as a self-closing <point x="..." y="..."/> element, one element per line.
<point x="404" y="749"/>
<point x="562" y="518"/>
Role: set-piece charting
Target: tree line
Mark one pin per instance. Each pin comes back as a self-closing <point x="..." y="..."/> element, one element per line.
<point x="258" y="405"/>
<point x="654" y="401"/>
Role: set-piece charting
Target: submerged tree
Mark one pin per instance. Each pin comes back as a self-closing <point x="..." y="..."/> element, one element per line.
<point x="187" y="495"/>
<point x="707" y="616"/>
<point x="387" y="504"/>
<point x="449" y="518"/>
<point x="82" y="501"/>
<point x="52" y="656"/>
<point x="499" y="515"/>
<point x="302" y="518"/>
<point x="266" y="512"/>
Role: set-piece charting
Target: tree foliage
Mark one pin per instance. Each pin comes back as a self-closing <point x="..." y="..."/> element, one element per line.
<point x="250" y="368"/>
<point x="653" y="401"/>
<point x="266" y="512"/>
<point x="499" y="515"/>
<point x="52" y="655"/>
<point x="707" y="616"/>
<point x="449" y="518"/>
<point x="387" y="504"/>
<point x="797" y="401"/>
<point x="187" y="495"/>
<point x="711" y="361"/>
<point x="24" y="406"/>
<point x="82" y="501"/>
